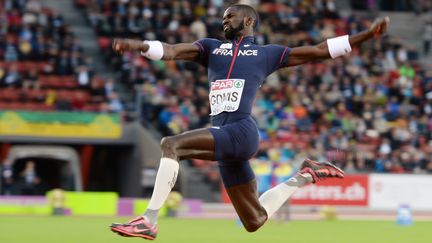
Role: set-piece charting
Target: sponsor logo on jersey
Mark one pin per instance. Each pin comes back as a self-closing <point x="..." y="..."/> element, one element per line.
<point x="227" y="84"/>
<point x="222" y="84"/>
<point x="238" y="83"/>
<point x="226" y="46"/>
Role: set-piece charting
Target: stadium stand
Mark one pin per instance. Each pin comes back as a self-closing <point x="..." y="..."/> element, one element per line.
<point x="42" y="65"/>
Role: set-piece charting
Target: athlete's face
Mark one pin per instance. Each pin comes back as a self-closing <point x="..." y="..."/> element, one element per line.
<point x="233" y="23"/>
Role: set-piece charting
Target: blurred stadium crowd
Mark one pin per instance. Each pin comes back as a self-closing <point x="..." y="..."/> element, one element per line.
<point x="369" y="112"/>
<point x="43" y="66"/>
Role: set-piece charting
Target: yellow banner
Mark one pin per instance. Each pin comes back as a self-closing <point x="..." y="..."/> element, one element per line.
<point x="60" y="124"/>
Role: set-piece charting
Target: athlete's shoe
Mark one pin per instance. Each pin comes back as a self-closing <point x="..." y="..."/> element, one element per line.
<point x="137" y="227"/>
<point x="321" y="171"/>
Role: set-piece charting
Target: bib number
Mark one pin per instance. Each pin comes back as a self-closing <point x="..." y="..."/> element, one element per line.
<point x="225" y="95"/>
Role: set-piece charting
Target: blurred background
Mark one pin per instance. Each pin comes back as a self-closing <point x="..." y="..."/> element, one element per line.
<point x="80" y="125"/>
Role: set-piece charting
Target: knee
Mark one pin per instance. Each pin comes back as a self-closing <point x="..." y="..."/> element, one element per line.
<point x="253" y="225"/>
<point x="168" y="144"/>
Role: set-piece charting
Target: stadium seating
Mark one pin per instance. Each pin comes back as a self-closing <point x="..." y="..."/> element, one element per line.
<point x="40" y="62"/>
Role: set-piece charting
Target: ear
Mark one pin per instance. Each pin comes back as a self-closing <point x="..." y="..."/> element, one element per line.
<point x="249" y="21"/>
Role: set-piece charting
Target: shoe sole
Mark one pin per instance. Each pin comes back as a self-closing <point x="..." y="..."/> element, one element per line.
<point x="128" y="234"/>
<point x="121" y="234"/>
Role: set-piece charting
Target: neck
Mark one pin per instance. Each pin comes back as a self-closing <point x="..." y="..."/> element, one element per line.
<point x="248" y="32"/>
<point x="237" y="38"/>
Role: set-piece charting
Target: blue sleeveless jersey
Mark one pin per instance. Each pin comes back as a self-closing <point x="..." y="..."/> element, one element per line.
<point x="235" y="72"/>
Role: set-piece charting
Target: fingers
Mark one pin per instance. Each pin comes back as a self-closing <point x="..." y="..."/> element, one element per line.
<point x="116" y="46"/>
<point x="385" y="24"/>
<point x="380" y="26"/>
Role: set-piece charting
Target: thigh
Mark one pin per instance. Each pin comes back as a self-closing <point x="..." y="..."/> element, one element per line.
<point x="200" y="139"/>
<point x="195" y="144"/>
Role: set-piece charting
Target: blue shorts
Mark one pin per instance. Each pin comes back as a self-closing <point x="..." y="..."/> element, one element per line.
<point x="235" y="144"/>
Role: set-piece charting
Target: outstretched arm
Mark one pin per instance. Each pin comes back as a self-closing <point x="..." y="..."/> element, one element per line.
<point x="304" y="54"/>
<point x="183" y="51"/>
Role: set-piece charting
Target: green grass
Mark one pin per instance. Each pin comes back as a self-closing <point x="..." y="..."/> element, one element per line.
<point x="17" y="229"/>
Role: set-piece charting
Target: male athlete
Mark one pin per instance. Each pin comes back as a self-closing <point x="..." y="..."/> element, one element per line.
<point x="236" y="69"/>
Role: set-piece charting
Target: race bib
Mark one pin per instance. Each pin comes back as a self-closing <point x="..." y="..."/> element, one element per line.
<point x="225" y="95"/>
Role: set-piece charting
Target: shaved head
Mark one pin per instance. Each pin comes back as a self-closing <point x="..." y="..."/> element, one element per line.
<point x="247" y="11"/>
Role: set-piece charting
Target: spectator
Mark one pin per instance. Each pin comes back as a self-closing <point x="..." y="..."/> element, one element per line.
<point x="109" y="87"/>
<point x="198" y="28"/>
<point x="115" y="105"/>
<point x="29" y="179"/>
<point x="84" y="77"/>
<point x="12" y="77"/>
<point x="427" y="37"/>
<point x="31" y="79"/>
<point x="7" y="181"/>
<point x="78" y="101"/>
<point x="97" y="91"/>
<point x="11" y="52"/>
<point x="62" y="63"/>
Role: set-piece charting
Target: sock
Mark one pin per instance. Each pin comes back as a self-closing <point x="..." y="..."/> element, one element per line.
<point x="151" y="215"/>
<point x="274" y="198"/>
<point x="165" y="181"/>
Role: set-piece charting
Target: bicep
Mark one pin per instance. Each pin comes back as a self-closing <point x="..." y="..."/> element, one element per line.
<point x="304" y="54"/>
<point x="183" y="51"/>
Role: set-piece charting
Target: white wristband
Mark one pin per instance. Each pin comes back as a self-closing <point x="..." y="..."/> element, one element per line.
<point x="155" y="51"/>
<point x="339" y="46"/>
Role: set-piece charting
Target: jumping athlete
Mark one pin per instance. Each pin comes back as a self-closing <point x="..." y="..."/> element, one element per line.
<point x="236" y="69"/>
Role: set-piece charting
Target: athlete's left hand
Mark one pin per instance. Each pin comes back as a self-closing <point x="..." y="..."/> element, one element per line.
<point x="379" y="26"/>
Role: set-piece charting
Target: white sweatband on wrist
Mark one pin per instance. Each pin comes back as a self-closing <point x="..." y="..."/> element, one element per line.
<point x="155" y="51"/>
<point x="339" y="46"/>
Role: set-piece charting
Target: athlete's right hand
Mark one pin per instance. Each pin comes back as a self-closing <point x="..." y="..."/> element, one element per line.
<point x="121" y="45"/>
<point x="379" y="26"/>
